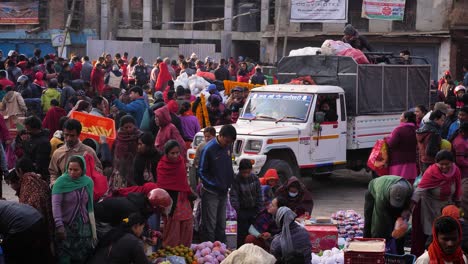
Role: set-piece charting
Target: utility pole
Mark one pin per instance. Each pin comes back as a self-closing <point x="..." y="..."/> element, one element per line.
<point x="275" y="39"/>
<point x="67" y="27"/>
<point x="285" y="41"/>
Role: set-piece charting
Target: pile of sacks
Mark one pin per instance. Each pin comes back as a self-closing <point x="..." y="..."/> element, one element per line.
<point x="350" y="224"/>
<point x="335" y="48"/>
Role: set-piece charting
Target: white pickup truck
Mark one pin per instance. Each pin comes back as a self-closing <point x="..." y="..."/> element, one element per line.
<point x="294" y="127"/>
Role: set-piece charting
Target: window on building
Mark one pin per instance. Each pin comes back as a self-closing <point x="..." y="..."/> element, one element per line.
<point x="271" y="12"/>
<point x="354" y="16"/>
<point x="311" y="26"/>
<point x="409" y="20"/>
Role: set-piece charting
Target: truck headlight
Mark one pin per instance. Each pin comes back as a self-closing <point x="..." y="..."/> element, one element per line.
<point x="254" y="145"/>
<point x="197" y="141"/>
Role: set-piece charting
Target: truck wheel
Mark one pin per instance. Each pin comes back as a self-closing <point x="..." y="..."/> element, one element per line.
<point x="284" y="169"/>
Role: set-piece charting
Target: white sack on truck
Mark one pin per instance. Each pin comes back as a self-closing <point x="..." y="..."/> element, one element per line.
<point x="332" y="47"/>
<point x="304" y="51"/>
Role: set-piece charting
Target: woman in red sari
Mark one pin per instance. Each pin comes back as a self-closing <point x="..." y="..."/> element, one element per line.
<point x="439" y="186"/>
<point x="97" y="79"/>
<point x="172" y="177"/>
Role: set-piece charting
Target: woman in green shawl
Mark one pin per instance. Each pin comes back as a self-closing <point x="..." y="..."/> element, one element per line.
<point x="72" y="207"/>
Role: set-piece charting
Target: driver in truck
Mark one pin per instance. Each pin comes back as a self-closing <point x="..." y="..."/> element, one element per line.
<point x="330" y="114"/>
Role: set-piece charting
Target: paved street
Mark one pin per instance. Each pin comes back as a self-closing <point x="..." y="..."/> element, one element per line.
<point x="341" y="191"/>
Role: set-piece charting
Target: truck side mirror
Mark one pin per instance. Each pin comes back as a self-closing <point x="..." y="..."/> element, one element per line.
<point x="319" y="117"/>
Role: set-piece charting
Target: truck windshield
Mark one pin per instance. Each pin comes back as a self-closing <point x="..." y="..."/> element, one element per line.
<point x="279" y="107"/>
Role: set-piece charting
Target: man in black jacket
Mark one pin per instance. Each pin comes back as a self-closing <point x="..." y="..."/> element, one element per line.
<point x="38" y="147"/>
<point x="221" y="73"/>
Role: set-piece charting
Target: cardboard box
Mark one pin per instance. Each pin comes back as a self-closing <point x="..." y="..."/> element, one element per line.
<point x="322" y="237"/>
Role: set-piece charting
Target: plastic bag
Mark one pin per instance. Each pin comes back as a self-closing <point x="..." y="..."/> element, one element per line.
<point x="182" y="80"/>
<point x="400" y="229"/>
<point x="332" y="47"/>
<point x="304" y="51"/>
<point x="356" y="54"/>
<point x="230" y="211"/>
<point x="10" y="157"/>
<point x="378" y="158"/>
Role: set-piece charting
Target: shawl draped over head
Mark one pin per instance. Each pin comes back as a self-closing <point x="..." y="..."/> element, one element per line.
<point x="284" y="218"/>
<point x="436" y="255"/>
<point x="163" y="77"/>
<point x="434" y="178"/>
<point x="52" y="118"/>
<point x="172" y="175"/>
<point x="66" y="184"/>
<point x="126" y="144"/>
<point x="97" y="79"/>
<point x="39" y="79"/>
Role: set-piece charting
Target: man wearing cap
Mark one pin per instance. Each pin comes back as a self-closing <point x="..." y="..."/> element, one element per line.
<point x="387" y="198"/>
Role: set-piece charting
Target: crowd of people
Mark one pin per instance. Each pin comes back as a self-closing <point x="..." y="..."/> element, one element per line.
<point x="94" y="201"/>
<point x="427" y="160"/>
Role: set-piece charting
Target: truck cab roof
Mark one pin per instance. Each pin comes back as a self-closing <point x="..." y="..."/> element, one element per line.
<point x="294" y="88"/>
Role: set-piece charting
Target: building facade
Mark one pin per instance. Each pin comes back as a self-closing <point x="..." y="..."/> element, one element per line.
<point x="427" y="30"/>
<point x="435" y="29"/>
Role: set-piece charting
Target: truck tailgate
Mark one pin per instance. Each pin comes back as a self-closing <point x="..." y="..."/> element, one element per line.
<point x="363" y="131"/>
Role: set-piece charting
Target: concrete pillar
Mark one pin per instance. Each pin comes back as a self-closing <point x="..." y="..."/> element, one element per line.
<point x="264" y="14"/>
<point x="228" y="5"/>
<point x="104" y="19"/>
<point x="126" y="14"/>
<point x="188" y="14"/>
<point x="167" y="13"/>
<point x="91" y="14"/>
<point x="147" y="19"/>
<point x="226" y="35"/>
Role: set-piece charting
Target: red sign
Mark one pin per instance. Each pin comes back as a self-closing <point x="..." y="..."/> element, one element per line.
<point x="19" y="13"/>
<point x="386" y="10"/>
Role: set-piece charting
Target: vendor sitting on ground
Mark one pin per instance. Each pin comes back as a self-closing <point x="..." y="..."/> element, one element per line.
<point x="292" y="244"/>
<point x="262" y="231"/>
<point x="446" y="244"/>
<point x="386" y="200"/>
<point x="298" y="197"/>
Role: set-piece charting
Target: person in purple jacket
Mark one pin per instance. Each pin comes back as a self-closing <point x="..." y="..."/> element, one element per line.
<point x="402" y="148"/>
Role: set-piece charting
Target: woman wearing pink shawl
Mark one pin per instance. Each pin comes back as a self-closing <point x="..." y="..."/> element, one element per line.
<point x="97" y="78"/>
<point x="439" y="186"/>
<point x="402" y="146"/>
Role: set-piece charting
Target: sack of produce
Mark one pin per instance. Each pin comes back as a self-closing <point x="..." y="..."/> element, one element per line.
<point x="378" y="158"/>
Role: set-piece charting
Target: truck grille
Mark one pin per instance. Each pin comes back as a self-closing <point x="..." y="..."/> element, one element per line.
<point x="238" y="147"/>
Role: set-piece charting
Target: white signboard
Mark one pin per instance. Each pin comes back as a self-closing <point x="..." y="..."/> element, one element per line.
<point x="319" y="11"/>
<point x="57" y="39"/>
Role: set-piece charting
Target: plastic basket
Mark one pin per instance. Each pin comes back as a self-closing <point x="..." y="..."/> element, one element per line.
<point x="88" y="120"/>
<point x="399" y="259"/>
<point x="358" y="257"/>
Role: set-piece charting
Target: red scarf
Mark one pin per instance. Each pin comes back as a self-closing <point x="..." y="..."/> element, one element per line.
<point x="172" y="175"/>
<point x="126" y="144"/>
<point x="52" y="118"/>
<point x="146" y="188"/>
<point x="437" y="256"/>
<point x="434" y="178"/>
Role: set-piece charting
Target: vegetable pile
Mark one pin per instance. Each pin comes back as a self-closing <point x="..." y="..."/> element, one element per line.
<point x="350" y="224"/>
<point x="210" y="253"/>
<point x="333" y="256"/>
<point x="180" y="251"/>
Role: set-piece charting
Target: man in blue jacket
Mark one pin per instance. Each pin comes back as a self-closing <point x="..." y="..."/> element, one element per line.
<point x="137" y="107"/>
<point x="216" y="173"/>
